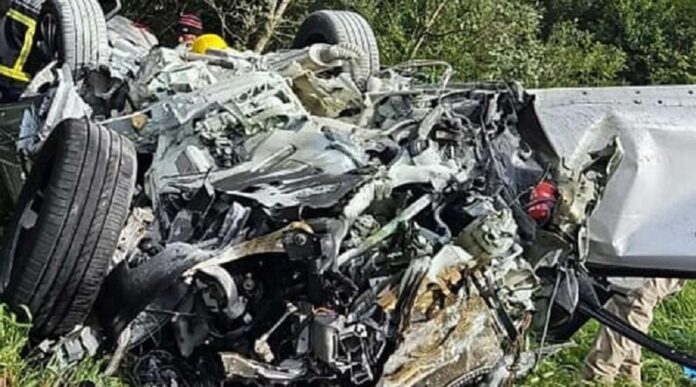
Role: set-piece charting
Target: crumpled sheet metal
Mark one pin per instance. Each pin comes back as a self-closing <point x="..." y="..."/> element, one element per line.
<point x="65" y="104"/>
<point x="129" y="43"/>
<point x="463" y="332"/>
<point x="257" y="202"/>
<point x="645" y="220"/>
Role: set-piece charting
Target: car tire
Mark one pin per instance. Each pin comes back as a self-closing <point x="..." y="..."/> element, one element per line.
<point x="67" y="224"/>
<point x="334" y="27"/>
<point x="73" y="32"/>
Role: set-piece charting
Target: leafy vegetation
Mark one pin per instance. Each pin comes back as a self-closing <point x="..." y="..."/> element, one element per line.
<point x="20" y="369"/>
<point x="542" y="43"/>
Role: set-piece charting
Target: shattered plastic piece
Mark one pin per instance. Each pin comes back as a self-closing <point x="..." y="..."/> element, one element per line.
<point x="77" y="346"/>
<point x="387" y="230"/>
<point x="65" y="103"/>
<point x="343" y="347"/>
<point x="327" y="98"/>
<point x="689" y="373"/>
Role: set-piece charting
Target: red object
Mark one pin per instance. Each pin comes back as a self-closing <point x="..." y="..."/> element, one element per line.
<point x="189" y="27"/>
<point x="140" y="26"/>
<point x="191" y="21"/>
<point x="542" y="201"/>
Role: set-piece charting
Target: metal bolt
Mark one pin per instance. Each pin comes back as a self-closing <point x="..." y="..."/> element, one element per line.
<point x="248" y="283"/>
<point x="300" y="239"/>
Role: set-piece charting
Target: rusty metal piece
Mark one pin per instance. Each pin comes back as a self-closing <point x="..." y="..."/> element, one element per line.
<point x="271" y="243"/>
<point x="139" y="121"/>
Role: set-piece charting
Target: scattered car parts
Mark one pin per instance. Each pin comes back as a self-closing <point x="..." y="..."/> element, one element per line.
<point x="299" y="217"/>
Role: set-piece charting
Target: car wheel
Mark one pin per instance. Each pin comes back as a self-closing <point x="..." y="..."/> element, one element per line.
<point x="67" y="224"/>
<point x="71" y="31"/>
<point x="334" y="27"/>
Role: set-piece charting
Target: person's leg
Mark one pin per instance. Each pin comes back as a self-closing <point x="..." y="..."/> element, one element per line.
<point x="641" y="315"/>
<point x="609" y="349"/>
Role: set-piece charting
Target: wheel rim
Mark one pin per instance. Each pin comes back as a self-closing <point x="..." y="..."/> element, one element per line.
<point x="47" y="40"/>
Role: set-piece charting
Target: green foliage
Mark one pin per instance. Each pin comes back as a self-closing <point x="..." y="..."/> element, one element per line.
<point x="657" y="36"/>
<point x="482" y="39"/>
<point x="573" y="58"/>
<point x="30" y="370"/>
<point x="491" y="40"/>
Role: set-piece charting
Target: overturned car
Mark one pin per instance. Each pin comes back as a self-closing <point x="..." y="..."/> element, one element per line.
<point x="299" y="217"/>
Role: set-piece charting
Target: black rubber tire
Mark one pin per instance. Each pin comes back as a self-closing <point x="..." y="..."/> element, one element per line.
<point x="334" y="27"/>
<point x="83" y="38"/>
<point x="73" y="205"/>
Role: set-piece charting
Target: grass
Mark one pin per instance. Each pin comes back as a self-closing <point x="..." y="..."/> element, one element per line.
<point x="675" y="323"/>
<point x="32" y="371"/>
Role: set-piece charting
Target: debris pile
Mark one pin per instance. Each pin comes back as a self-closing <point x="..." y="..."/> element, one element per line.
<point x="296" y="222"/>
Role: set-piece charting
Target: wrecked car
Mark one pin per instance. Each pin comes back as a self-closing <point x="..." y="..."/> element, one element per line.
<point x="299" y="217"/>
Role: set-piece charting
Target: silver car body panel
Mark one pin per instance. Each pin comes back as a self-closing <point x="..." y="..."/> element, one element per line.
<point x="646" y="222"/>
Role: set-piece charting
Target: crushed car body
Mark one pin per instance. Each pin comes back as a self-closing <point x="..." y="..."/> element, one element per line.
<point x="642" y="227"/>
<point x="298" y="217"/>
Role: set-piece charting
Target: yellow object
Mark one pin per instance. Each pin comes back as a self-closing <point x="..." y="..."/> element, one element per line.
<point x="16" y="72"/>
<point x="205" y="42"/>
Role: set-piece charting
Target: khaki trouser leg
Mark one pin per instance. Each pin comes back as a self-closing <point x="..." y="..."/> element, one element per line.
<point x="609" y="349"/>
<point x="612" y="353"/>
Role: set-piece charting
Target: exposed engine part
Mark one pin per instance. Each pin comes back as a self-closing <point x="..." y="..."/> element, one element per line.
<point x="261" y="344"/>
<point x="347" y="348"/>
<point x="542" y="201"/>
<point x="489" y="236"/>
<point x="297" y="222"/>
<point x="238" y="366"/>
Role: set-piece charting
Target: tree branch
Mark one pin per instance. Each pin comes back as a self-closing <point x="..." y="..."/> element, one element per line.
<point x="220" y="13"/>
<point x="426" y="29"/>
<point x="275" y="15"/>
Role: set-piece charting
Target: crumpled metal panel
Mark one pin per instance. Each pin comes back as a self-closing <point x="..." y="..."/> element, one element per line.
<point x="645" y="223"/>
<point x="129" y="44"/>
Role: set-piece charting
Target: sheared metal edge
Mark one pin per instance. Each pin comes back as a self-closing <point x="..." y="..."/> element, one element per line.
<point x="643" y="226"/>
<point x="461" y="338"/>
<point x="66" y="103"/>
<point x="270" y="243"/>
<point x="135" y="229"/>
<point x="238" y="366"/>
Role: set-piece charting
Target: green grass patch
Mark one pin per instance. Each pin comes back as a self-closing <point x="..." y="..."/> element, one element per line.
<point x="31" y="370"/>
<point x="675" y="323"/>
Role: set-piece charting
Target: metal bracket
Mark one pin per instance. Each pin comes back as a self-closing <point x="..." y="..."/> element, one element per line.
<point x="114" y="11"/>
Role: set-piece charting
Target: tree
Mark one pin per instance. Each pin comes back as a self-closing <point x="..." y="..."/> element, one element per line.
<point x="573" y="57"/>
<point x="252" y="24"/>
<point x="658" y="36"/>
<point x="482" y="39"/>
